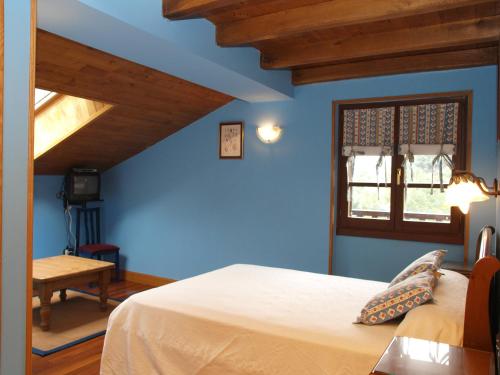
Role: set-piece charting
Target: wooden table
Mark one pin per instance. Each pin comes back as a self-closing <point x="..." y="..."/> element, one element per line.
<point x="66" y="271"/>
<point x="406" y="356"/>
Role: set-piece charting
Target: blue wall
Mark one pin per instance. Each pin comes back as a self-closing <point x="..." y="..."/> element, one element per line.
<point x="176" y="210"/>
<point x="49" y="233"/>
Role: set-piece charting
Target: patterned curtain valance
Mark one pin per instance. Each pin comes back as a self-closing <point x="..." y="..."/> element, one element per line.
<point x="368" y="131"/>
<point x="428" y="129"/>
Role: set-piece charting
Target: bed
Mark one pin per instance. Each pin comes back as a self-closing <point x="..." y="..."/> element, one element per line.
<point x="246" y="319"/>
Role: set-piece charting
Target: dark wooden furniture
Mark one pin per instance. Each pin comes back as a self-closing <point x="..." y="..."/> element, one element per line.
<point x="406" y="356"/>
<point x="63" y="272"/>
<point x="481" y="248"/>
<point x="481" y="310"/>
<point x="460" y="267"/>
<point x="412" y="356"/>
<point x="93" y="246"/>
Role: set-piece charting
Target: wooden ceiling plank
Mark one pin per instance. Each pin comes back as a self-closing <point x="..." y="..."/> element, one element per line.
<point x="184" y="9"/>
<point x="397" y="65"/>
<point x="328" y="14"/>
<point x="149" y="105"/>
<point x="90" y="64"/>
<point x="408" y="41"/>
<point x="119" y="89"/>
<point x="108" y="140"/>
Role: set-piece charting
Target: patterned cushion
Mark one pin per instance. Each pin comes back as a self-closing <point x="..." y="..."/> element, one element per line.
<point x="398" y="299"/>
<point x="431" y="261"/>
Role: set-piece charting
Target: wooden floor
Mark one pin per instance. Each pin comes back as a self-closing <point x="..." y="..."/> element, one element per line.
<point x="83" y="359"/>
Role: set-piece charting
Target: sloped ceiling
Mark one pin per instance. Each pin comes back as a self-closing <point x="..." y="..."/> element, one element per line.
<point x="137" y="31"/>
<point x="148" y="105"/>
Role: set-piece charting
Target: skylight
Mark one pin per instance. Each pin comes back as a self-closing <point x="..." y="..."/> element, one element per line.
<point x="62" y="117"/>
<point x="42" y="96"/>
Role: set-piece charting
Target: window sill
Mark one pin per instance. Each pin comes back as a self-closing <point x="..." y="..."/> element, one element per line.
<point x="444" y="238"/>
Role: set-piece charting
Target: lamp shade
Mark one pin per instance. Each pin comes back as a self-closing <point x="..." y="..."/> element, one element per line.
<point x="269" y="133"/>
<point x="464" y="190"/>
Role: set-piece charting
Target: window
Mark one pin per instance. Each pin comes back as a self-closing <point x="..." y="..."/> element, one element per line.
<point x="395" y="162"/>
<point x="42" y="97"/>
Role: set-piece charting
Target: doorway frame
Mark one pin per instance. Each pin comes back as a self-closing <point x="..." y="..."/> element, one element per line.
<point x="30" y="198"/>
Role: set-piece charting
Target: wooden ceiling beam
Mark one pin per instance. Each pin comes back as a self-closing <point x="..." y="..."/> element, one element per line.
<point x="397" y="65"/>
<point x="328" y="14"/>
<point x="184" y="9"/>
<point x="408" y="41"/>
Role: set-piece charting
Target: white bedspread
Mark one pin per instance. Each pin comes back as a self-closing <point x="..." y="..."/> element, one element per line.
<point x="247" y="319"/>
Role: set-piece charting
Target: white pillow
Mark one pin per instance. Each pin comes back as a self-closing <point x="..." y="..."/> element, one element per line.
<point x="443" y="319"/>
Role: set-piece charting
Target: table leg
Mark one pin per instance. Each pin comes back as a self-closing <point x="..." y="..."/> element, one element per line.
<point x="104" y="278"/>
<point x="45" y="295"/>
<point x="62" y="295"/>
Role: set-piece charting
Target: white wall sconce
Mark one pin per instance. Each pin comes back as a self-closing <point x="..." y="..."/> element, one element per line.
<point x="269" y="133"/>
<point x="466" y="188"/>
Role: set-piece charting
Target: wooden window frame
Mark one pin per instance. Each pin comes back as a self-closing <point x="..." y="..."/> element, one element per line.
<point x="396" y="227"/>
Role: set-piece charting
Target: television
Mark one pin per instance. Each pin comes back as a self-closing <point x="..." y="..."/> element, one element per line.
<point x="82" y="185"/>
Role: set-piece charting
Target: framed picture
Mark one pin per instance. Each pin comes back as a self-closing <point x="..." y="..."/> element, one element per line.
<point x="231" y="140"/>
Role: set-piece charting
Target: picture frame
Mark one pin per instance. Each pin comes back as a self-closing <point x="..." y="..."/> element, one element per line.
<point x="231" y="137"/>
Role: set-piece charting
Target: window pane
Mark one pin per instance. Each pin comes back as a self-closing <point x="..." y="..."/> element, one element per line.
<point x="365" y="169"/>
<point x="421" y="206"/>
<point x="422" y="171"/>
<point x="367" y="203"/>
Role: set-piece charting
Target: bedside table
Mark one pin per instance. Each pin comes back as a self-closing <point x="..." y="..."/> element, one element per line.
<point x="459" y="267"/>
<point x="405" y="356"/>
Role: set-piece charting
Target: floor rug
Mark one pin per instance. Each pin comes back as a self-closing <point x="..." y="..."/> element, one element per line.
<point x="72" y="322"/>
